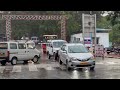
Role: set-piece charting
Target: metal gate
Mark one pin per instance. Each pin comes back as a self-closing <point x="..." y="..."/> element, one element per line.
<point x="8" y="19"/>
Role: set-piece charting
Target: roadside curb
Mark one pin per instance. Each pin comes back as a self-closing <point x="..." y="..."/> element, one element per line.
<point x="113" y="57"/>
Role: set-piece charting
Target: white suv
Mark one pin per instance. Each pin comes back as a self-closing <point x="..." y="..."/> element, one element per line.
<point x="53" y="47"/>
<point x="15" y="51"/>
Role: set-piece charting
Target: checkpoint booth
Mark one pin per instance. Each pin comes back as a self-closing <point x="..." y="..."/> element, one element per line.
<point x="99" y="51"/>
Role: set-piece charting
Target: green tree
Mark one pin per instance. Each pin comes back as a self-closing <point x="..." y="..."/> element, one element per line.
<point x="115" y="34"/>
<point x="114" y="18"/>
<point x="104" y="23"/>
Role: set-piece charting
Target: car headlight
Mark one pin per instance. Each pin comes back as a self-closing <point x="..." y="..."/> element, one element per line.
<point x="73" y="59"/>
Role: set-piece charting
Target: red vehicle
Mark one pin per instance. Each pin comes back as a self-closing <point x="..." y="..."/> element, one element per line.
<point x="44" y="47"/>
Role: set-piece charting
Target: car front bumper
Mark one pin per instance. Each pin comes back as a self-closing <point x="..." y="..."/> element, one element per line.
<point x="82" y="64"/>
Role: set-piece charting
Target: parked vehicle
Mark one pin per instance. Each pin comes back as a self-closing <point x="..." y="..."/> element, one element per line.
<point x="14" y="51"/>
<point x="76" y="56"/>
<point x="44" y="47"/>
<point x="30" y="43"/>
<point x="35" y="39"/>
<point x="110" y="50"/>
<point x="117" y="50"/>
<point x="53" y="47"/>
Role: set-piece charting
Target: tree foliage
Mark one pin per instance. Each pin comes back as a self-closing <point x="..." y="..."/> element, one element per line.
<point x="114" y="18"/>
<point x="104" y="23"/>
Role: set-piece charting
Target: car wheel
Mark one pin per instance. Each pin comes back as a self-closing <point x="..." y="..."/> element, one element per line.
<point x="92" y="68"/>
<point x="35" y="59"/>
<point x="67" y="66"/>
<point x="26" y="62"/>
<point x="60" y="62"/>
<point x="14" y="61"/>
<point x="56" y="57"/>
<point x="108" y="52"/>
<point x="3" y="62"/>
<point x="49" y="56"/>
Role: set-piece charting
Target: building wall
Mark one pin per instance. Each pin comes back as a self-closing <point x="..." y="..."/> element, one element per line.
<point x="76" y="38"/>
<point x="103" y="38"/>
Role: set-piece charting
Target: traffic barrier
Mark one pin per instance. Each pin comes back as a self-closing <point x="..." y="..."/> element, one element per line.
<point x="99" y="51"/>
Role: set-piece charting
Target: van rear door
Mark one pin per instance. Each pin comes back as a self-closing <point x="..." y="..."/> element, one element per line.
<point x="3" y="50"/>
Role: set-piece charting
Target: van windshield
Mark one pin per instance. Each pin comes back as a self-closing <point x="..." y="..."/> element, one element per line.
<point x="58" y="44"/>
<point x="33" y="38"/>
<point x="3" y="46"/>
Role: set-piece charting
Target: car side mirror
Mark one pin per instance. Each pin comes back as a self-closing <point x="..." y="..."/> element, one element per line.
<point x="51" y="46"/>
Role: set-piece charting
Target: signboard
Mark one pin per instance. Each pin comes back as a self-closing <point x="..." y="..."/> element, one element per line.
<point x="89" y="26"/>
<point x="99" y="50"/>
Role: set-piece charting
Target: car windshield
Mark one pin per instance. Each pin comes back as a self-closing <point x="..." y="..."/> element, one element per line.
<point x="3" y="46"/>
<point x="58" y="44"/>
<point x="30" y="45"/>
<point x="33" y="38"/>
<point x="77" y="49"/>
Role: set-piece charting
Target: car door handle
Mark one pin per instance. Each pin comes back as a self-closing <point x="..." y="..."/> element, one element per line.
<point x="25" y="51"/>
<point x="28" y="51"/>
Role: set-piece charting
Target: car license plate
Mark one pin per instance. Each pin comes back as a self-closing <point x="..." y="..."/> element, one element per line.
<point x="83" y="63"/>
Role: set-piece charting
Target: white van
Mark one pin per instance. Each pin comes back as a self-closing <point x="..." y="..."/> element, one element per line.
<point x="53" y="47"/>
<point x="18" y="51"/>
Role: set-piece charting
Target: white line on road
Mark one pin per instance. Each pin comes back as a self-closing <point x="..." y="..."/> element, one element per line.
<point x="32" y="67"/>
<point x="2" y="69"/>
<point x="99" y="63"/>
<point x="16" y="69"/>
<point x="108" y="63"/>
<point x="49" y="68"/>
<point x="47" y="65"/>
<point x="111" y="63"/>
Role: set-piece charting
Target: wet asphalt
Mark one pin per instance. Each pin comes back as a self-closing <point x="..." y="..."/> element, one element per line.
<point x="109" y="68"/>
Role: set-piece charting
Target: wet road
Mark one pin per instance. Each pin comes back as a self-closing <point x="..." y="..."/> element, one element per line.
<point x="50" y="69"/>
<point x="108" y="68"/>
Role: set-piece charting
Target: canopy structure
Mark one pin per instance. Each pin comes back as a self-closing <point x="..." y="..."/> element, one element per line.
<point x="8" y="19"/>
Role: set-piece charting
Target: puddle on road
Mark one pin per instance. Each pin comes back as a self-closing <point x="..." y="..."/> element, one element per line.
<point x="82" y="74"/>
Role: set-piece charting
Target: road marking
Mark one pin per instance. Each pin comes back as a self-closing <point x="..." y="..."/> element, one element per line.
<point x="49" y="68"/>
<point x="32" y="67"/>
<point x="110" y="62"/>
<point x="99" y="63"/>
<point x="63" y="67"/>
<point x="2" y="69"/>
<point x="16" y="69"/>
<point x="47" y="65"/>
